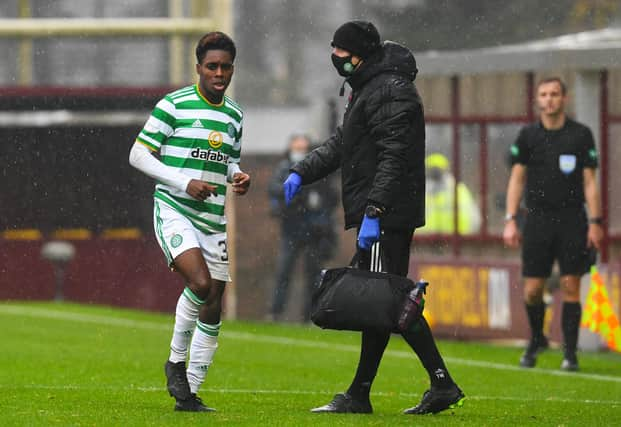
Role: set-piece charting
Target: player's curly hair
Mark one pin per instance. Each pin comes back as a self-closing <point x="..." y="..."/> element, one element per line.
<point x="215" y="40"/>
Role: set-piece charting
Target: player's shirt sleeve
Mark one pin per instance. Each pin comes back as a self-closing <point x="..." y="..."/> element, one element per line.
<point x="159" y="126"/>
<point x="519" y="150"/>
<point x="589" y="154"/>
<point x="236" y="149"/>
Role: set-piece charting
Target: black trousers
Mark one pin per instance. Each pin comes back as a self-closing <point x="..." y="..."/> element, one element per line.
<point x="392" y="255"/>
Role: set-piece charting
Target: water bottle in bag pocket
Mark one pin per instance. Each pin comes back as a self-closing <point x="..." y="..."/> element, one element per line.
<point x="413" y="306"/>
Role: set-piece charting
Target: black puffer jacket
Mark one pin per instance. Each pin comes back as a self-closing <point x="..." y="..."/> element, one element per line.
<point x="380" y="146"/>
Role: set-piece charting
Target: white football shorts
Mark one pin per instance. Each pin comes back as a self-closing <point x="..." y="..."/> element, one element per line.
<point x="176" y="234"/>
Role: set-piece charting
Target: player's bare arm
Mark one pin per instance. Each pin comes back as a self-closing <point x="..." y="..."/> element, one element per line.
<point x="595" y="234"/>
<point x="511" y="234"/>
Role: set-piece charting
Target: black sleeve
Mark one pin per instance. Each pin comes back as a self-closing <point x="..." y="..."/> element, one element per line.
<point x="391" y="110"/>
<point x="330" y="194"/>
<point x="519" y="150"/>
<point x="589" y="152"/>
<point x="322" y="161"/>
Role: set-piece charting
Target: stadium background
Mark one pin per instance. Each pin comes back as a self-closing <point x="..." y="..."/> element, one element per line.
<point x="78" y="79"/>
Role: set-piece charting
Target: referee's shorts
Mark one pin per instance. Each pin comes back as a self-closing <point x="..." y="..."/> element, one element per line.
<point x="555" y="235"/>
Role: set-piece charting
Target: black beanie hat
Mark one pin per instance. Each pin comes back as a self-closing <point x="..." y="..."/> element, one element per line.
<point x="361" y="38"/>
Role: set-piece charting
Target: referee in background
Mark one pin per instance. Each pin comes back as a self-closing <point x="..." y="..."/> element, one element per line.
<point x="553" y="165"/>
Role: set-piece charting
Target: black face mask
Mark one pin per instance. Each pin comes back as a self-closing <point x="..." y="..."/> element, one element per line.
<point x="343" y="65"/>
<point x="435" y="174"/>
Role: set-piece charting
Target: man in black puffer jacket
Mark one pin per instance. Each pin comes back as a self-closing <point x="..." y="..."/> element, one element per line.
<point x="380" y="149"/>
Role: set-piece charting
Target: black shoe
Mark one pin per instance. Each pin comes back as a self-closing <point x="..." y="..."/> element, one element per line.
<point x="177" y="380"/>
<point x="344" y="403"/>
<point x="437" y="399"/>
<point x="535" y="346"/>
<point x="570" y="362"/>
<point x="192" y="404"/>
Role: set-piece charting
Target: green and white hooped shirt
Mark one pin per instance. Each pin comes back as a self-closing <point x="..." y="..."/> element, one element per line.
<point x="198" y="139"/>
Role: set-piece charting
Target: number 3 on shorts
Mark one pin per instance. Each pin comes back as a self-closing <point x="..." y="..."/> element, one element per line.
<point x="224" y="256"/>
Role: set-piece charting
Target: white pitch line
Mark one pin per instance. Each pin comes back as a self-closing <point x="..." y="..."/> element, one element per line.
<point x="273" y="339"/>
<point x="79" y="317"/>
<point x="304" y="392"/>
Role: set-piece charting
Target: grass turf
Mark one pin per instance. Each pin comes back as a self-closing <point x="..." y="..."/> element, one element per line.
<point x="66" y="364"/>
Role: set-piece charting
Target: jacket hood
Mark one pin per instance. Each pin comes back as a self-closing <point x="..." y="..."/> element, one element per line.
<point x="392" y="57"/>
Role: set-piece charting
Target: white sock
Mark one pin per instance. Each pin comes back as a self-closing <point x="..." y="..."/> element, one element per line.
<point x="204" y="345"/>
<point x="186" y="316"/>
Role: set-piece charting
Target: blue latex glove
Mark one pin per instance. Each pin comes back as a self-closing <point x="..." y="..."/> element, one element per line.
<point x="291" y="186"/>
<point x="369" y="232"/>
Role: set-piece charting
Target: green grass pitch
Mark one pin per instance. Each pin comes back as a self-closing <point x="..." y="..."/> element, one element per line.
<point x="66" y="364"/>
